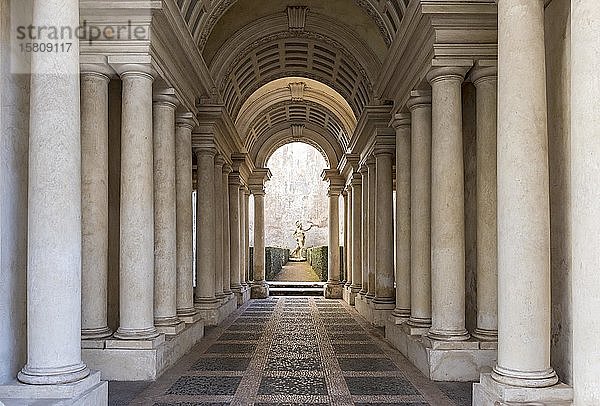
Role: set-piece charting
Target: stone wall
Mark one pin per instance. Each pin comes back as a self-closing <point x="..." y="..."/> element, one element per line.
<point x="13" y="208"/>
<point x="558" y="40"/>
<point x="296" y="192"/>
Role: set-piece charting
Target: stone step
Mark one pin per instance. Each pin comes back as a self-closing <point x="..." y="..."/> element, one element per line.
<point x="296" y="288"/>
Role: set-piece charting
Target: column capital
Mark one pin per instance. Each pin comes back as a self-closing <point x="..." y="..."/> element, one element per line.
<point x="132" y="65"/>
<point x="226" y="169"/>
<point x="95" y="65"/>
<point x="400" y="120"/>
<point x="356" y="179"/>
<point x="165" y="96"/>
<point x="219" y="160"/>
<point x="419" y="99"/>
<point x="235" y="179"/>
<point x="186" y="119"/>
<point x="385" y="145"/>
<point x="484" y="71"/>
<point x="256" y="182"/>
<point x="452" y="71"/>
<point x="205" y="150"/>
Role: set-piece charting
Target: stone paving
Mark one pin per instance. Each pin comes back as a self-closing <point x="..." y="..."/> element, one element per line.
<point x="295" y="351"/>
<point x="297" y="272"/>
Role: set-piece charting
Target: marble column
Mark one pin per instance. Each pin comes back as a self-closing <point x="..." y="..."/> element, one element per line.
<point x="247" y="234"/>
<point x="356" y="232"/>
<point x="136" y="278"/>
<point x="364" y="172"/>
<point x="226" y="232"/>
<point x="94" y="203"/>
<point x="486" y="82"/>
<point x="219" y="162"/>
<point x="347" y="194"/>
<point x="260" y="289"/>
<point x="243" y="240"/>
<point x="585" y="195"/>
<point x="523" y="199"/>
<point x="384" y="227"/>
<point x="419" y="105"/>
<point x="371" y="241"/>
<point x="401" y="123"/>
<point x="165" y="213"/>
<point x="54" y="210"/>
<point x="234" y="231"/>
<point x="333" y="288"/>
<point x="447" y="206"/>
<point x="205" y="229"/>
<point x="184" y="124"/>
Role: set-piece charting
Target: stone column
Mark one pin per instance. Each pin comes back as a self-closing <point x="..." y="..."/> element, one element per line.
<point x="136" y="278"/>
<point x="94" y="203"/>
<point x="165" y="213"/>
<point x="184" y="124"/>
<point x="420" y="214"/>
<point x="247" y="234"/>
<point x="226" y="232"/>
<point x="384" y="227"/>
<point x="357" y="235"/>
<point x="447" y="206"/>
<point x="219" y="162"/>
<point x="260" y="289"/>
<point x="401" y="123"/>
<point x="234" y="231"/>
<point x="486" y="82"/>
<point x="364" y="172"/>
<point x="347" y="194"/>
<point x="205" y="229"/>
<point x="585" y="195"/>
<point x="54" y="210"/>
<point x="333" y="288"/>
<point x="523" y="199"/>
<point x="371" y="241"/>
<point x="243" y="240"/>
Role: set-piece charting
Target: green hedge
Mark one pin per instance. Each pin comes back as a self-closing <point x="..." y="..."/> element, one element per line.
<point x="275" y="259"/>
<point x="317" y="258"/>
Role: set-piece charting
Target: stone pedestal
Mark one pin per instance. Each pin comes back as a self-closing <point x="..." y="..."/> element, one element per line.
<point x="333" y="290"/>
<point x="90" y="391"/>
<point x="259" y="291"/>
<point x="488" y="392"/>
<point x="140" y="360"/>
<point x="214" y="313"/>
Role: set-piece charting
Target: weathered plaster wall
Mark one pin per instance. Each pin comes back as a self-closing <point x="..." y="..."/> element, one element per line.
<point x="296" y="192"/>
<point x="470" y="168"/>
<point x="14" y="129"/>
<point x="558" y="41"/>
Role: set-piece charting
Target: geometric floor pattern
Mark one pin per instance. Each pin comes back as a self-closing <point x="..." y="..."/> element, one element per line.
<point x="296" y="351"/>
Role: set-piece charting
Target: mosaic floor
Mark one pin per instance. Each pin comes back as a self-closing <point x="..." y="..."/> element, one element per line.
<point x="294" y="351"/>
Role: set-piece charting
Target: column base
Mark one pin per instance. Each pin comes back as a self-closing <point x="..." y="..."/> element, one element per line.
<point x="136" y="334"/>
<point x="169" y="326"/>
<point x="485" y="335"/>
<point x="460" y="361"/>
<point x="144" y="360"/>
<point x="214" y="313"/>
<point x="451" y="336"/>
<point x="489" y="392"/>
<point x="333" y="290"/>
<point x="377" y="313"/>
<point x="400" y="316"/>
<point x="54" y="376"/>
<point x="189" y="315"/>
<point x="95" y="333"/>
<point x="242" y="294"/>
<point x="89" y="391"/>
<point x="260" y="290"/>
<point x="349" y="295"/>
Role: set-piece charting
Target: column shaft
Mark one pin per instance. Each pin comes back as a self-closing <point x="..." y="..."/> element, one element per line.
<point x="183" y="185"/>
<point x="523" y="199"/>
<point x="234" y="231"/>
<point x="54" y="210"/>
<point x="243" y="241"/>
<point x="487" y="243"/>
<point x="94" y="205"/>
<point x="403" y="299"/>
<point x="357" y="235"/>
<point x="165" y="213"/>
<point x="420" y="213"/>
<point x="226" y="232"/>
<point x="384" y="228"/>
<point x="333" y="276"/>
<point x="347" y="237"/>
<point x="447" y="207"/>
<point x="371" y="242"/>
<point x="136" y="278"/>
<point x="205" y="228"/>
<point x="247" y="234"/>
<point x="585" y="195"/>
<point x="219" y="162"/>
<point x="365" y="230"/>
<point x="259" y="238"/>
